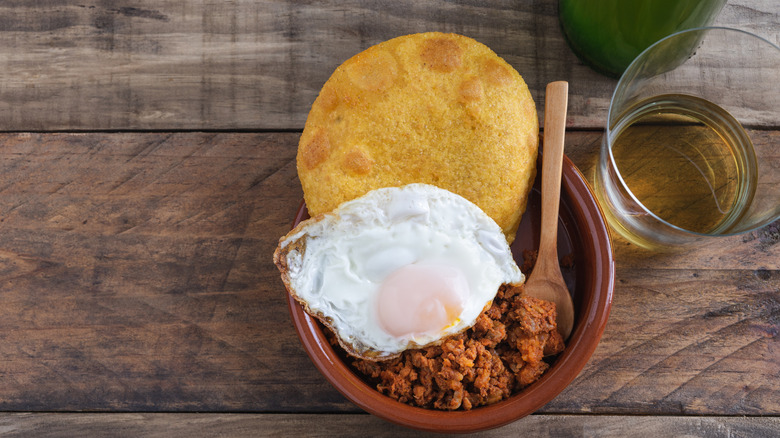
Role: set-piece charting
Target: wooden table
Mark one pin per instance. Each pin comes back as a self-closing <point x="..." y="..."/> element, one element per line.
<point x="147" y="170"/>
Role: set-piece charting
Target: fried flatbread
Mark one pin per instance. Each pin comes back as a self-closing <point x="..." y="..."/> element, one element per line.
<point x="433" y="108"/>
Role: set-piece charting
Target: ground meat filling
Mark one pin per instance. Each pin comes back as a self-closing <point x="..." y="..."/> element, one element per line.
<point x="502" y="353"/>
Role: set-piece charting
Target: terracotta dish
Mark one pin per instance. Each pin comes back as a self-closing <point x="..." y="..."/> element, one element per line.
<point x="583" y="233"/>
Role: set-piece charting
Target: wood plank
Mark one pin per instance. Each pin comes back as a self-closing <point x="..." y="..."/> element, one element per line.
<point x="684" y="342"/>
<point x="136" y="275"/>
<point x="258" y="65"/>
<point x="45" y="425"/>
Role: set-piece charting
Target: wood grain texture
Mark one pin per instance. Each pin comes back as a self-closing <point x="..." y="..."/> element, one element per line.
<point x="258" y="65"/>
<point x="47" y="425"/>
<point x="136" y="275"/>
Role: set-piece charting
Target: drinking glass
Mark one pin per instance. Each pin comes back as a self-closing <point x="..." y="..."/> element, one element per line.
<point x="691" y="143"/>
<point x="608" y="34"/>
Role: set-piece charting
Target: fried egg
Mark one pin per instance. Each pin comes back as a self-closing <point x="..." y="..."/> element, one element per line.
<point x="398" y="268"/>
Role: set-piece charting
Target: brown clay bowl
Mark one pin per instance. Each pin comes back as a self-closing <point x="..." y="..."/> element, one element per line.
<point x="582" y="232"/>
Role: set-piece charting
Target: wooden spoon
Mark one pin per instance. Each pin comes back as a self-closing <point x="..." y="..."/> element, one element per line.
<point x="546" y="281"/>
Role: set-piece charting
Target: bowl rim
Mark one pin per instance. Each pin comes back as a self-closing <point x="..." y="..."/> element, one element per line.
<point x="590" y="221"/>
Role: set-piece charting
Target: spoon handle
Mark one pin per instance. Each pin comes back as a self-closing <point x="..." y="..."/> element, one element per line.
<point x="555" y="103"/>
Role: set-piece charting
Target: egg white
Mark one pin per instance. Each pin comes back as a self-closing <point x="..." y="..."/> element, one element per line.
<point x="334" y="264"/>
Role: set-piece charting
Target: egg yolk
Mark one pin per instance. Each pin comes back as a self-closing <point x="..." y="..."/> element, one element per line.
<point x="421" y="298"/>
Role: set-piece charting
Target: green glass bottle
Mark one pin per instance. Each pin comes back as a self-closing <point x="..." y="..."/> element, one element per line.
<point x="608" y="34"/>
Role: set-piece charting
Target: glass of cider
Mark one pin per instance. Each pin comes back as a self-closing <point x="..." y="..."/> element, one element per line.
<point x="692" y="143"/>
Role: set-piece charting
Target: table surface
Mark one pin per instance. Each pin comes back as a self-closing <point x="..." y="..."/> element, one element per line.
<point x="147" y="170"/>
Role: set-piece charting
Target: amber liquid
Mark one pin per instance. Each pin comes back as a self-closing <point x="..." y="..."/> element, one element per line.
<point x="687" y="161"/>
